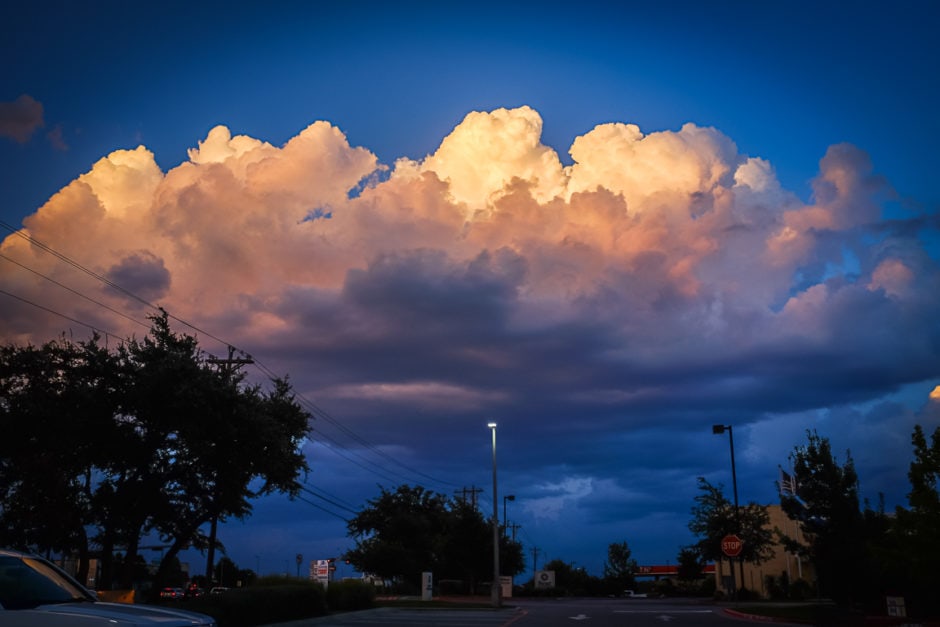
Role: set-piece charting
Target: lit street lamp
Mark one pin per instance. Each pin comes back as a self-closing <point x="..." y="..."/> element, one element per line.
<point x="718" y="430"/>
<point x="495" y="589"/>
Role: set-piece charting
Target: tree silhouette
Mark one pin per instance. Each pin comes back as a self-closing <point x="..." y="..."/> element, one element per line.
<point x="620" y="567"/>
<point x="148" y="438"/>
<point x="826" y="504"/>
<point x="400" y="534"/>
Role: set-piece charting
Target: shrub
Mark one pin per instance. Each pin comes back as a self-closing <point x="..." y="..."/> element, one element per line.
<point x="663" y="588"/>
<point x="801" y="590"/>
<point x="530" y="591"/>
<point x="709" y="585"/>
<point x="343" y="596"/>
<point x="263" y="604"/>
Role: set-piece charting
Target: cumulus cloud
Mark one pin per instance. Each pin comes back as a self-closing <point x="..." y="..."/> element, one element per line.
<point x="20" y="118"/>
<point x="661" y="276"/>
<point x="558" y="496"/>
<point x="486" y="151"/>
<point x="141" y="273"/>
<point x="56" y="140"/>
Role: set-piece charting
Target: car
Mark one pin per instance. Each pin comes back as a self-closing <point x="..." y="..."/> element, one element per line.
<point x="194" y="592"/>
<point x="171" y="593"/>
<point x="630" y="594"/>
<point x="34" y="592"/>
<point x="217" y="590"/>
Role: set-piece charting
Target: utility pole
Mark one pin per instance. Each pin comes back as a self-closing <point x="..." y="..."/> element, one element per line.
<point x="514" y="526"/>
<point x="226" y="368"/>
<point x="472" y="491"/>
<point x="535" y="556"/>
<point x="226" y="365"/>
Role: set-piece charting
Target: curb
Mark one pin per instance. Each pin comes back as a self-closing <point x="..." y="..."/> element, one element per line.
<point x="868" y="621"/>
<point x="753" y="617"/>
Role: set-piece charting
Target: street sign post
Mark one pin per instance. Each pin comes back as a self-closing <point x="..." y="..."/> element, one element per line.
<point x="731" y="545"/>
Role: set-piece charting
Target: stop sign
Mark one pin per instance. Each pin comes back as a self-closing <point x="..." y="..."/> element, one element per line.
<point x="731" y="545"/>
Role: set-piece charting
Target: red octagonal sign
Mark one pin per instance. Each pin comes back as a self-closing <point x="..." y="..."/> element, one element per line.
<point x="731" y="545"/>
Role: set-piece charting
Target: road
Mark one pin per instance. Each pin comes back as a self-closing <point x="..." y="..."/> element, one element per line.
<point x="618" y="612"/>
<point x="567" y="612"/>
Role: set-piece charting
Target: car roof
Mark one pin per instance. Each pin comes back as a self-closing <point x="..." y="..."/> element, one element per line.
<point x="12" y="553"/>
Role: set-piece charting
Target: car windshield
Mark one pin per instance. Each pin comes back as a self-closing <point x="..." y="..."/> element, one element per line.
<point x="27" y="582"/>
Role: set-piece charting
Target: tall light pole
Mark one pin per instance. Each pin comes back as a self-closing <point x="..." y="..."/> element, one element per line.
<point x="494" y="592"/>
<point x="718" y="430"/>
<point x="508" y="497"/>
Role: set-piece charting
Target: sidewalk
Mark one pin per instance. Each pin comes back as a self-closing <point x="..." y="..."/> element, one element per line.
<point x="866" y="621"/>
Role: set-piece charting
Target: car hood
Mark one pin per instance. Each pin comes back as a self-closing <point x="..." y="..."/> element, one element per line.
<point x="124" y="614"/>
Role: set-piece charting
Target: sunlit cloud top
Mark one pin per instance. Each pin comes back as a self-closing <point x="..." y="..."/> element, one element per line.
<point x="669" y="245"/>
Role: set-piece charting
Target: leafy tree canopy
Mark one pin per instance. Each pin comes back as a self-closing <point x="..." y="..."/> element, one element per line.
<point x="826" y="504"/>
<point x="620" y="566"/>
<point x="915" y="552"/>
<point x="690" y="564"/>
<point x="404" y="532"/>
<point x="147" y="438"/>
<point x="714" y="517"/>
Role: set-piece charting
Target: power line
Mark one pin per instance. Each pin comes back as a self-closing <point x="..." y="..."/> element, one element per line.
<point x="338" y="498"/>
<point x="61" y="315"/>
<point x="330" y="501"/>
<point x="105" y="280"/>
<point x="319" y="412"/>
<point x="76" y="292"/>
<point x="350" y="459"/>
<point x="75" y="264"/>
<point x="311" y="503"/>
<point x="316" y="411"/>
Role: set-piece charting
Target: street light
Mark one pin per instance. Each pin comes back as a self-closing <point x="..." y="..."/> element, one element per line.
<point x="718" y="430"/>
<point x="494" y="592"/>
<point x="508" y="497"/>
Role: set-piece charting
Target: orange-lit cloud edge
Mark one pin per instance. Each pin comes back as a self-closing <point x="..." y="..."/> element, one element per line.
<point x="675" y="244"/>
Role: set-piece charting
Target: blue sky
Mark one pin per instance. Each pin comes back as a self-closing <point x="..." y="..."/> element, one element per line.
<point x="605" y="308"/>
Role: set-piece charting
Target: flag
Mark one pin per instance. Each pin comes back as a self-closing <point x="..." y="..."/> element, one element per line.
<point x="787" y="483"/>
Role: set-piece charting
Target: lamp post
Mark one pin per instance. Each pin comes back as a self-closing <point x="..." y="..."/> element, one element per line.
<point x="718" y="430"/>
<point x="494" y="592"/>
<point x="508" y="497"/>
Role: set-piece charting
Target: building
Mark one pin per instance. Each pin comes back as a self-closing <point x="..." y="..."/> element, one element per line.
<point x="669" y="571"/>
<point x="755" y="575"/>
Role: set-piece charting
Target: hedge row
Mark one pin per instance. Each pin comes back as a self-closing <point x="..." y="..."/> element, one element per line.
<point x="282" y="601"/>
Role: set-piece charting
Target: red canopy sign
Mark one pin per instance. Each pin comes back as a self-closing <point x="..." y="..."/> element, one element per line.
<point x="731" y="545"/>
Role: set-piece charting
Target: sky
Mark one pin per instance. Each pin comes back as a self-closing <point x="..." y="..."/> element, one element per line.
<point x="604" y="228"/>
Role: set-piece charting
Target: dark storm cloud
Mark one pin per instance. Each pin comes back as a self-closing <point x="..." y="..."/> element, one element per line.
<point x="20" y="119"/>
<point x="141" y="273"/>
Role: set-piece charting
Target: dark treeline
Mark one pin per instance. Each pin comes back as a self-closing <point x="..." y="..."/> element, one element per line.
<point x="103" y="448"/>
<point x="860" y="553"/>
<point x="401" y="534"/>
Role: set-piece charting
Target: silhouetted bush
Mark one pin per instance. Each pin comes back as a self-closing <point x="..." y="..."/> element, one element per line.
<point x="709" y="585"/>
<point x="777" y="587"/>
<point x="529" y="591"/>
<point x="663" y="588"/>
<point x="261" y="604"/>
<point x="344" y="596"/>
<point x="801" y="590"/>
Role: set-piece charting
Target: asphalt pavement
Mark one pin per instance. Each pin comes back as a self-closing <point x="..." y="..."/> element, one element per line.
<point x="539" y="612"/>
